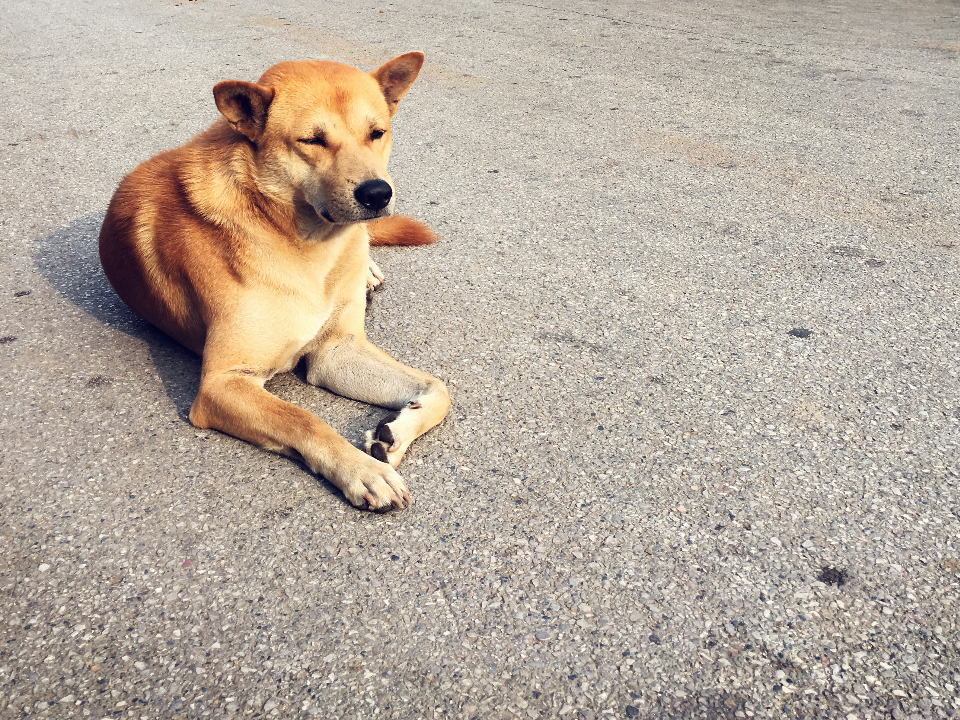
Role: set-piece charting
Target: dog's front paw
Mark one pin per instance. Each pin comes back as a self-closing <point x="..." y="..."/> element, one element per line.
<point x="374" y="485"/>
<point x="374" y="276"/>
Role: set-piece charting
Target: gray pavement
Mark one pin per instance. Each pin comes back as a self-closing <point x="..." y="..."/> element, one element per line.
<point x="697" y="305"/>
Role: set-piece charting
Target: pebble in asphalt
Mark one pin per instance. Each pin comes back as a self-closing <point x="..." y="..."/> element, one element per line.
<point x="696" y="302"/>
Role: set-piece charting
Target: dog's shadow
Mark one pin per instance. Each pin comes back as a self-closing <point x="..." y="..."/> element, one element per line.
<point x="69" y="260"/>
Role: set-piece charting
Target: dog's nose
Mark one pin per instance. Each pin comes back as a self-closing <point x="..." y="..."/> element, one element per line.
<point x="374" y="194"/>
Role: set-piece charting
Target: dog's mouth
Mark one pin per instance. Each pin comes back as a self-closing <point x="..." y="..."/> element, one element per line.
<point x="364" y="215"/>
<point x="336" y="214"/>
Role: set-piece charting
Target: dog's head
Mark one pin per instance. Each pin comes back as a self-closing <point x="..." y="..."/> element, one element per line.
<point x="320" y="132"/>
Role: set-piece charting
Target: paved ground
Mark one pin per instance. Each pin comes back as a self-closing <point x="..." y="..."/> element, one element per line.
<point x="697" y="305"/>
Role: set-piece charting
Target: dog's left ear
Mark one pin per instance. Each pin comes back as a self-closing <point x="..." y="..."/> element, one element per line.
<point x="396" y="77"/>
<point x="244" y="105"/>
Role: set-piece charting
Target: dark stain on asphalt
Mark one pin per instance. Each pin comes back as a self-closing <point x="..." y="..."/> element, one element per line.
<point x="847" y="251"/>
<point x="800" y="332"/>
<point x="832" y="576"/>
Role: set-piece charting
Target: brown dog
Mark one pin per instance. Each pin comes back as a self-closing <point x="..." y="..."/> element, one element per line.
<point x="250" y="245"/>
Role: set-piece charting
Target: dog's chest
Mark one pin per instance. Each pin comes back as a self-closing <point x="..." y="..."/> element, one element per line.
<point x="310" y="295"/>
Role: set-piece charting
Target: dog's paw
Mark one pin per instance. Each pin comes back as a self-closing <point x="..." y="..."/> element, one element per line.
<point x="374" y="485"/>
<point x="374" y="276"/>
<point x="378" y="449"/>
<point x="385" y="442"/>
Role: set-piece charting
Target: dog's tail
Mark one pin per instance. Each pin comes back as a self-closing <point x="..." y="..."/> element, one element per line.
<point x="400" y="230"/>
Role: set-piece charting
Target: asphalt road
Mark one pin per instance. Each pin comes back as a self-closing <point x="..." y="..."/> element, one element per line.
<point x="697" y="305"/>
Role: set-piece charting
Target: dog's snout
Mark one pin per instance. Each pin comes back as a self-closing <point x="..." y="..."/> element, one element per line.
<point x="374" y="194"/>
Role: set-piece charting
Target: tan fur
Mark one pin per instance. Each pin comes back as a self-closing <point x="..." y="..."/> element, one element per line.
<point x="250" y="245"/>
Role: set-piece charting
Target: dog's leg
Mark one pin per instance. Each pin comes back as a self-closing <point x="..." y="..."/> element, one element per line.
<point x="355" y="368"/>
<point x="236" y="403"/>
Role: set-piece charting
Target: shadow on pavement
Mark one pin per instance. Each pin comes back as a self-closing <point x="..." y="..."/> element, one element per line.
<point x="69" y="260"/>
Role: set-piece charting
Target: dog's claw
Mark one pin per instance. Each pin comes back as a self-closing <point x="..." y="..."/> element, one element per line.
<point x="394" y="502"/>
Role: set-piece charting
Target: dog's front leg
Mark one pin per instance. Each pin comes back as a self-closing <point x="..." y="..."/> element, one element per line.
<point x="353" y="367"/>
<point x="236" y="403"/>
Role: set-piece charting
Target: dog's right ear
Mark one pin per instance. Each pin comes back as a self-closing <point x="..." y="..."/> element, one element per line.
<point x="244" y="105"/>
<point x="396" y="77"/>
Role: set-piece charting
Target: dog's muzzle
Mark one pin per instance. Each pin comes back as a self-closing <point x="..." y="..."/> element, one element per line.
<point x="373" y="195"/>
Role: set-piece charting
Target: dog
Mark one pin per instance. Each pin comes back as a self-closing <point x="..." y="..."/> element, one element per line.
<point x="250" y="246"/>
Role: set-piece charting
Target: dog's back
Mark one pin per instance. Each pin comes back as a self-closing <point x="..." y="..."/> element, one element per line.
<point x="145" y="243"/>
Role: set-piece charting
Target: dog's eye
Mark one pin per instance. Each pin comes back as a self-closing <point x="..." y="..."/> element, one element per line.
<point x="376" y="134"/>
<point x="318" y="139"/>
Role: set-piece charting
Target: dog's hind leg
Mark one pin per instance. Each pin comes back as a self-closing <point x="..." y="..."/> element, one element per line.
<point x="357" y="369"/>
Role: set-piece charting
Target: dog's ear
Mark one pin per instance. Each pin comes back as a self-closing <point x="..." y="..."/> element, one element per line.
<point x="396" y="77"/>
<point x="244" y="105"/>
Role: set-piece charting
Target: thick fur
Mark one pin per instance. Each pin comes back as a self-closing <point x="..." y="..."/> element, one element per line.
<point x="400" y="230"/>
<point x="250" y="245"/>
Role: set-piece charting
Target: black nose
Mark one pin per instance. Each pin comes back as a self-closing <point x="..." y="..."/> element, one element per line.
<point x="374" y="194"/>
